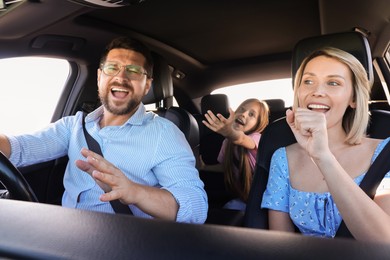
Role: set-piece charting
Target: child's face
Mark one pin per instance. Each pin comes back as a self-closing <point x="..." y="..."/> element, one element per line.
<point x="246" y="117"/>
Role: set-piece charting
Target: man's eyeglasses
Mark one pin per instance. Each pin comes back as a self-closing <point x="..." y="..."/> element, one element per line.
<point x="133" y="72"/>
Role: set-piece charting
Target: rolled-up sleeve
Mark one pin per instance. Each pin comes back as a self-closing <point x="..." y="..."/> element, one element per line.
<point x="177" y="173"/>
<point x="44" y="145"/>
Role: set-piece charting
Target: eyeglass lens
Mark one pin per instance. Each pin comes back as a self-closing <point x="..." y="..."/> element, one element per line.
<point x="134" y="72"/>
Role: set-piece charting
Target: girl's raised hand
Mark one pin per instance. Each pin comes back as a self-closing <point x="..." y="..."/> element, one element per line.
<point x="218" y="123"/>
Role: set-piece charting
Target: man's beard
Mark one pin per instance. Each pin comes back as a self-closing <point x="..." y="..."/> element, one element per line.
<point x="130" y="106"/>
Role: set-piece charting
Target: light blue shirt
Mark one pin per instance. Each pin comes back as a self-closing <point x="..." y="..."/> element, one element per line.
<point x="149" y="149"/>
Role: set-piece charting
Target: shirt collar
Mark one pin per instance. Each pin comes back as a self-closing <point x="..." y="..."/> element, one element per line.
<point x="136" y="119"/>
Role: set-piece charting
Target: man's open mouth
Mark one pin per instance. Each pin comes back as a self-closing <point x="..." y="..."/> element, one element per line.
<point x="119" y="92"/>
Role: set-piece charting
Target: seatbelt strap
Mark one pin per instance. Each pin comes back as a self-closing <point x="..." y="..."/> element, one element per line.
<point x="94" y="146"/>
<point x="370" y="182"/>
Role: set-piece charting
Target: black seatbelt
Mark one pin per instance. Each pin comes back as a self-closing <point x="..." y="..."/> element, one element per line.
<point x="95" y="147"/>
<point x="370" y="182"/>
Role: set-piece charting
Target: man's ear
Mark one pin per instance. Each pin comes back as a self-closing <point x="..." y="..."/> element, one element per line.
<point x="99" y="72"/>
<point x="148" y="85"/>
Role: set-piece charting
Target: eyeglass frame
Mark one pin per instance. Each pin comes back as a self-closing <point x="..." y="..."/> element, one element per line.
<point x="103" y="66"/>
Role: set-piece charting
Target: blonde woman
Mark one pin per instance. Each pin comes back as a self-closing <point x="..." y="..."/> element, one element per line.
<point x="314" y="183"/>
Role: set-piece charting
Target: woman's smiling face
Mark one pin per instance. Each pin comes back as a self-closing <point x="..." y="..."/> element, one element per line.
<point x="326" y="87"/>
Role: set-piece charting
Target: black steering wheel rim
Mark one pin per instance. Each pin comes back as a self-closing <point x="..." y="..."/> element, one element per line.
<point x="13" y="180"/>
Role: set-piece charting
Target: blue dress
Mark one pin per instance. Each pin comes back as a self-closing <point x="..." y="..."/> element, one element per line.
<point x="315" y="214"/>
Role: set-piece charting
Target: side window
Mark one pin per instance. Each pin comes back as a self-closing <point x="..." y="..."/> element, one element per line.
<point x="30" y="88"/>
<point x="151" y="107"/>
<point x="387" y="56"/>
<point x="272" y="89"/>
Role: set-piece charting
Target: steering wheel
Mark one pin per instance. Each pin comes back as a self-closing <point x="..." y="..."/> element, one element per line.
<point x="13" y="180"/>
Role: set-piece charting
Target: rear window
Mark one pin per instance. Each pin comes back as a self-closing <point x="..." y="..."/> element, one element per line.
<point x="30" y="89"/>
<point x="272" y="89"/>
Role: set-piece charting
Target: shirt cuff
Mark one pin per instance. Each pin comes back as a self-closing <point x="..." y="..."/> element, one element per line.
<point x="15" y="150"/>
<point x="191" y="209"/>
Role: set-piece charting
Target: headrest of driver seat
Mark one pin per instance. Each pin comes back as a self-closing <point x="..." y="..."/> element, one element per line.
<point x="353" y="42"/>
<point x="162" y="86"/>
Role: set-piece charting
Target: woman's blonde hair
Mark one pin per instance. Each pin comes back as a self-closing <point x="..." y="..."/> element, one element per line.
<point x="241" y="186"/>
<point x="355" y="120"/>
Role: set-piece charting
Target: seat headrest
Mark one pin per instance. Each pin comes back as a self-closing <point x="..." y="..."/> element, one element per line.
<point x="217" y="103"/>
<point x="277" y="108"/>
<point x="162" y="86"/>
<point x="275" y="104"/>
<point x="353" y="42"/>
<point x="210" y="141"/>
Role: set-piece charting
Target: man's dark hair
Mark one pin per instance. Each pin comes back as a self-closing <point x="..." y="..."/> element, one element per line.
<point x="124" y="42"/>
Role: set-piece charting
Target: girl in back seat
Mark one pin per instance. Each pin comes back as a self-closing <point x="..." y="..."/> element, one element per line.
<point x="242" y="131"/>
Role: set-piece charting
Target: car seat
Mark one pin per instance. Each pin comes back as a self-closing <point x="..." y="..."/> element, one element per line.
<point x="160" y="93"/>
<point x="278" y="133"/>
<point x="211" y="142"/>
<point x="277" y="108"/>
<point x="210" y="145"/>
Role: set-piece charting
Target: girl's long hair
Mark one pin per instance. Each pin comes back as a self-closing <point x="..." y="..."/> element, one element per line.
<point x="240" y="185"/>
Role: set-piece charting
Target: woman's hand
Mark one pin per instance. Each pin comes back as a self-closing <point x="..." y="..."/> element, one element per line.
<point x="310" y="130"/>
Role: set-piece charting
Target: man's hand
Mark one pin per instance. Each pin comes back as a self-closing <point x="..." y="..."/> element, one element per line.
<point x="108" y="177"/>
<point x="154" y="201"/>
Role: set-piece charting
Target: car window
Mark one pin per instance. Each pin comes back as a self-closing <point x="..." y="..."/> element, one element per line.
<point x="279" y="89"/>
<point x="387" y="56"/>
<point x="30" y="88"/>
<point x="151" y="107"/>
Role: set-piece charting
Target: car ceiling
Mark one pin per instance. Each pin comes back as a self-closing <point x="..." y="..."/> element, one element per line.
<point x="217" y="42"/>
